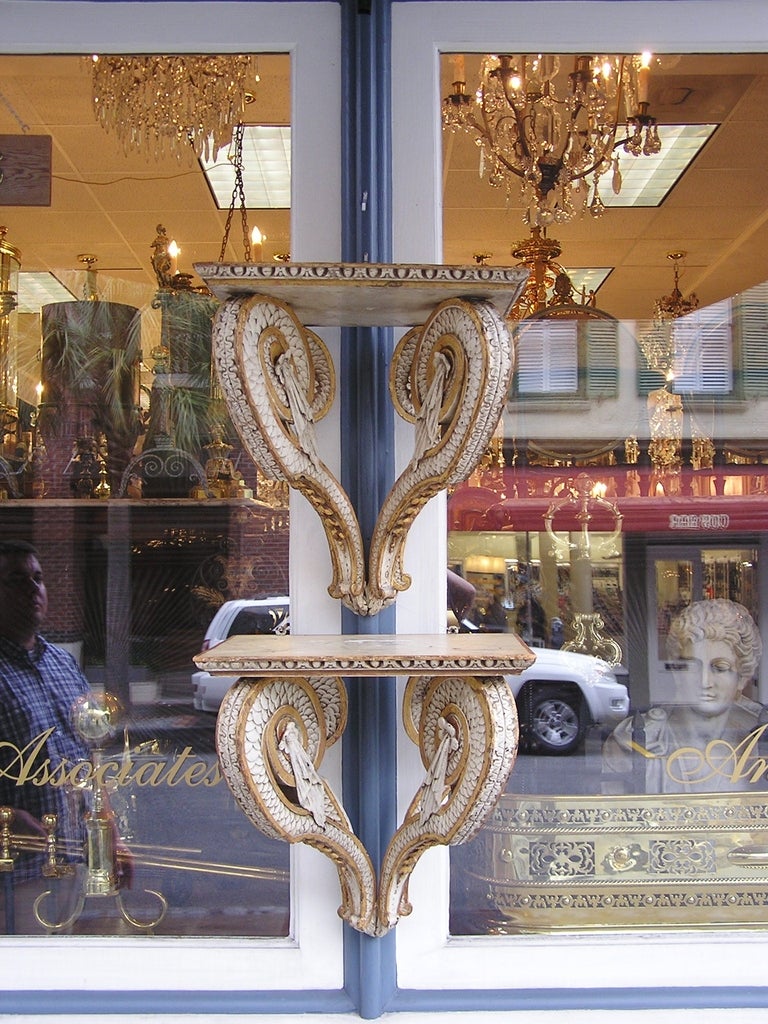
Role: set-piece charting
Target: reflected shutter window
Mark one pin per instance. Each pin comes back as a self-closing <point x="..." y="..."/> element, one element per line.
<point x="647" y="379"/>
<point x="750" y="320"/>
<point x="602" y="358"/>
<point x="547" y="358"/>
<point x="703" y="343"/>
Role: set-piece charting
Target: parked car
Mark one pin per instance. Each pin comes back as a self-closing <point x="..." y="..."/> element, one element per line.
<point x="561" y="695"/>
<point x="244" y="617"/>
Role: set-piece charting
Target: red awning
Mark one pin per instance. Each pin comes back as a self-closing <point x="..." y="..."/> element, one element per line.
<point x="676" y="515"/>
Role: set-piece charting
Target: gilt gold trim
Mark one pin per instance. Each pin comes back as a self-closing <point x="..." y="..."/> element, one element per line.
<point x="558" y="863"/>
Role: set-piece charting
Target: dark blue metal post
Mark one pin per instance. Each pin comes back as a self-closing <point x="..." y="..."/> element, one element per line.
<point x="367" y="458"/>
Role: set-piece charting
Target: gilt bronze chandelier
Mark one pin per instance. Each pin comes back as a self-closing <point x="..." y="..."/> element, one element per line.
<point x="554" y="132"/>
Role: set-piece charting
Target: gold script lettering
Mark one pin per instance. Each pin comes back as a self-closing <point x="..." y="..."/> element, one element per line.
<point x="19" y="765"/>
<point x="719" y="758"/>
<point x="24" y="761"/>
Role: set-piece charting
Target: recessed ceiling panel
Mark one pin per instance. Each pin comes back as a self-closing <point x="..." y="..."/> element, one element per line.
<point x="266" y="169"/>
<point x="647" y="180"/>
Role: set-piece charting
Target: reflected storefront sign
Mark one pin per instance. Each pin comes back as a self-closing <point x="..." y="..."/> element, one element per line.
<point x="137" y="602"/>
<point x="153" y="859"/>
<point x="640" y="515"/>
<point x="154" y="812"/>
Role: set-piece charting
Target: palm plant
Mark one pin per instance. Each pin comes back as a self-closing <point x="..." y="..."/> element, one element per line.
<point x="91" y="356"/>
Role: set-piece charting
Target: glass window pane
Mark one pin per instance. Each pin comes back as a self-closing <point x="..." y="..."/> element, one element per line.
<point x="148" y="519"/>
<point x="619" y="525"/>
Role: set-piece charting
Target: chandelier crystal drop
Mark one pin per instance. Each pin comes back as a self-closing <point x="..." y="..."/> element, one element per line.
<point x="171" y="105"/>
<point x="554" y="133"/>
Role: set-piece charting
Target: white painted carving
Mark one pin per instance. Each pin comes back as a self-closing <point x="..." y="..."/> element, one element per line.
<point x="434" y="790"/>
<point x="475" y="765"/>
<point x="273" y="731"/>
<point x="449" y="377"/>
<point x="278" y="380"/>
<point x="261" y="770"/>
<point x="473" y="339"/>
<point x="301" y="412"/>
<point x="309" y="785"/>
<point x="428" y="431"/>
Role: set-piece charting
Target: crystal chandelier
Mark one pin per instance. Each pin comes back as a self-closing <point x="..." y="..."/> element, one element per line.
<point x="553" y="134"/>
<point x="658" y="347"/>
<point x="171" y="105"/>
<point x="658" y="344"/>
<point x="670" y="307"/>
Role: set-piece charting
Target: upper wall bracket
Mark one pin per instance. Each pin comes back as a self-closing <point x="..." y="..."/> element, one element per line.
<point x="450" y="377"/>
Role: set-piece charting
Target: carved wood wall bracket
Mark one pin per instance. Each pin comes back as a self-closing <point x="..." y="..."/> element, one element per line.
<point x="449" y="376"/>
<point x="290" y="706"/>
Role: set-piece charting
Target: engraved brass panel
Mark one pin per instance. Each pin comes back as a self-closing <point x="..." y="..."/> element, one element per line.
<point x="571" y="863"/>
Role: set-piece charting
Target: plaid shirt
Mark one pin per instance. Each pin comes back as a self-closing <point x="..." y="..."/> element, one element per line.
<point x="38" y="689"/>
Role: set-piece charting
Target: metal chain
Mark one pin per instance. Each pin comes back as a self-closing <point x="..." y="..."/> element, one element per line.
<point x="238" y="193"/>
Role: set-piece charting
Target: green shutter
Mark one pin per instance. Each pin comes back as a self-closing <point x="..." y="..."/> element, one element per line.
<point x="750" y="327"/>
<point x="602" y="354"/>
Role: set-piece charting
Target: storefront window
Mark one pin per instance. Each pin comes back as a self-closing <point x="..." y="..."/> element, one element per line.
<point x="616" y="521"/>
<point x="153" y="530"/>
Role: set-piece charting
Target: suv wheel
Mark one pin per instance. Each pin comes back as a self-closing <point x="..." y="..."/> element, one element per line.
<point x="556" y="724"/>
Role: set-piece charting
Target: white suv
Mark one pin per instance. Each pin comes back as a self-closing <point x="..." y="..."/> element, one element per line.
<point x="243" y="617"/>
<point x="561" y="695"/>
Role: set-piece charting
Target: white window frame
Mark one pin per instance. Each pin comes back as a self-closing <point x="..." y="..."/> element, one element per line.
<point x="311" y="33"/>
<point x="427" y="958"/>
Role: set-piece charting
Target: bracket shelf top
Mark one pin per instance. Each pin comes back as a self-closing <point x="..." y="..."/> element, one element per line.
<point x="432" y="654"/>
<point x="364" y="294"/>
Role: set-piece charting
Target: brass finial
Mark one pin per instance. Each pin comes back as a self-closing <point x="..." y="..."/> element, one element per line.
<point x="89" y="288"/>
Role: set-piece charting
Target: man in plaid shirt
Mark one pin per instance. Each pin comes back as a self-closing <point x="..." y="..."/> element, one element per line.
<point x="39" y="685"/>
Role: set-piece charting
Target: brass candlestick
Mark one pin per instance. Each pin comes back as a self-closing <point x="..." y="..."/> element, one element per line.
<point x="95" y="719"/>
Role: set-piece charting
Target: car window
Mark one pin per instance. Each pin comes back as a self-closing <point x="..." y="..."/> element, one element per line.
<point x="261" y="620"/>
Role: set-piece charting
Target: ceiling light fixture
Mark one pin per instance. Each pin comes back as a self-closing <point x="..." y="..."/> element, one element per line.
<point x="658" y="344"/>
<point x="171" y="105"/>
<point x="674" y="305"/>
<point x="649" y="181"/>
<point x="266" y="168"/>
<point x="554" y="133"/>
<point x="550" y="285"/>
<point x="39" y="288"/>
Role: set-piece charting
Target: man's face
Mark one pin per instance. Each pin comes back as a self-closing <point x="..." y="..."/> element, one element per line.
<point x="712" y="680"/>
<point x="24" y="600"/>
